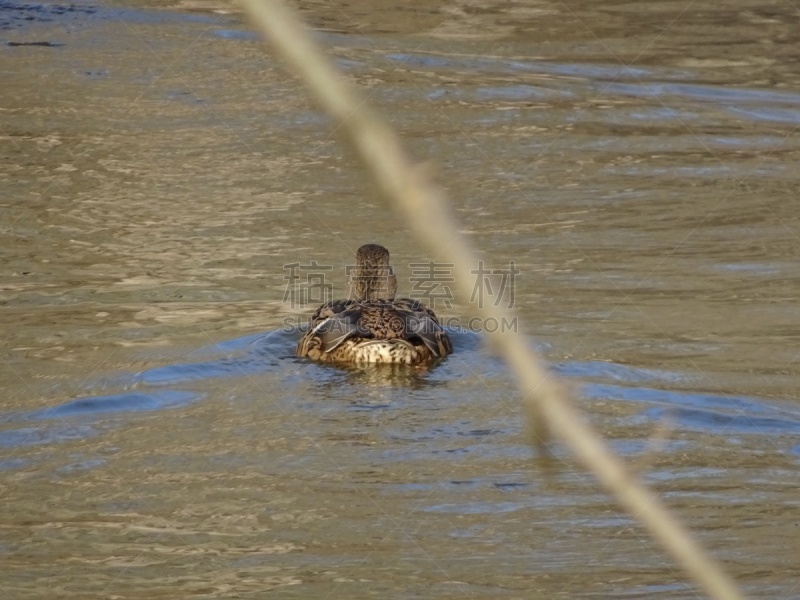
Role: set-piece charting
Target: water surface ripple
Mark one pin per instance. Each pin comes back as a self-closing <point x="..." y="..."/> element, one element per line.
<point x="637" y="162"/>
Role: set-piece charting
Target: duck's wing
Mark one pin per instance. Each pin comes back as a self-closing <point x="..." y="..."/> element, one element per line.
<point x="402" y="319"/>
<point x="331" y="325"/>
<point x="330" y="309"/>
<point x="421" y="322"/>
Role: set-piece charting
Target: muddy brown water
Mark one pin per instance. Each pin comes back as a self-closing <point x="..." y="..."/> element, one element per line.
<point x="637" y="162"/>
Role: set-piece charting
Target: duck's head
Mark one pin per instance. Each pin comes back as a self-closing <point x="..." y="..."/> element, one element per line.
<point x="373" y="277"/>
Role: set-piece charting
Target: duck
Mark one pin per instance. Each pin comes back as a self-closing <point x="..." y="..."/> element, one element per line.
<point x="372" y="325"/>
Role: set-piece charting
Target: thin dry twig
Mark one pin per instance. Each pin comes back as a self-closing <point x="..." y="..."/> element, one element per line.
<point x="655" y="445"/>
<point x="423" y="204"/>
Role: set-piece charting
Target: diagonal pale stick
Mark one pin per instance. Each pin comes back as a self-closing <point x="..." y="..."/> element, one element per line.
<point x="424" y="206"/>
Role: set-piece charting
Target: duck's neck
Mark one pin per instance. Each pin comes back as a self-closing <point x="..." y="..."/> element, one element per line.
<point x="374" y="283"/>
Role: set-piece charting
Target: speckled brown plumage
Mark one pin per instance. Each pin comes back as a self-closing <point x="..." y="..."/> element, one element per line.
<point x="374" y="326"/>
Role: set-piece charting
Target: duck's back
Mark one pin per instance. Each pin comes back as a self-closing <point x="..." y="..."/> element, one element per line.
<point x="376" y="331"/>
